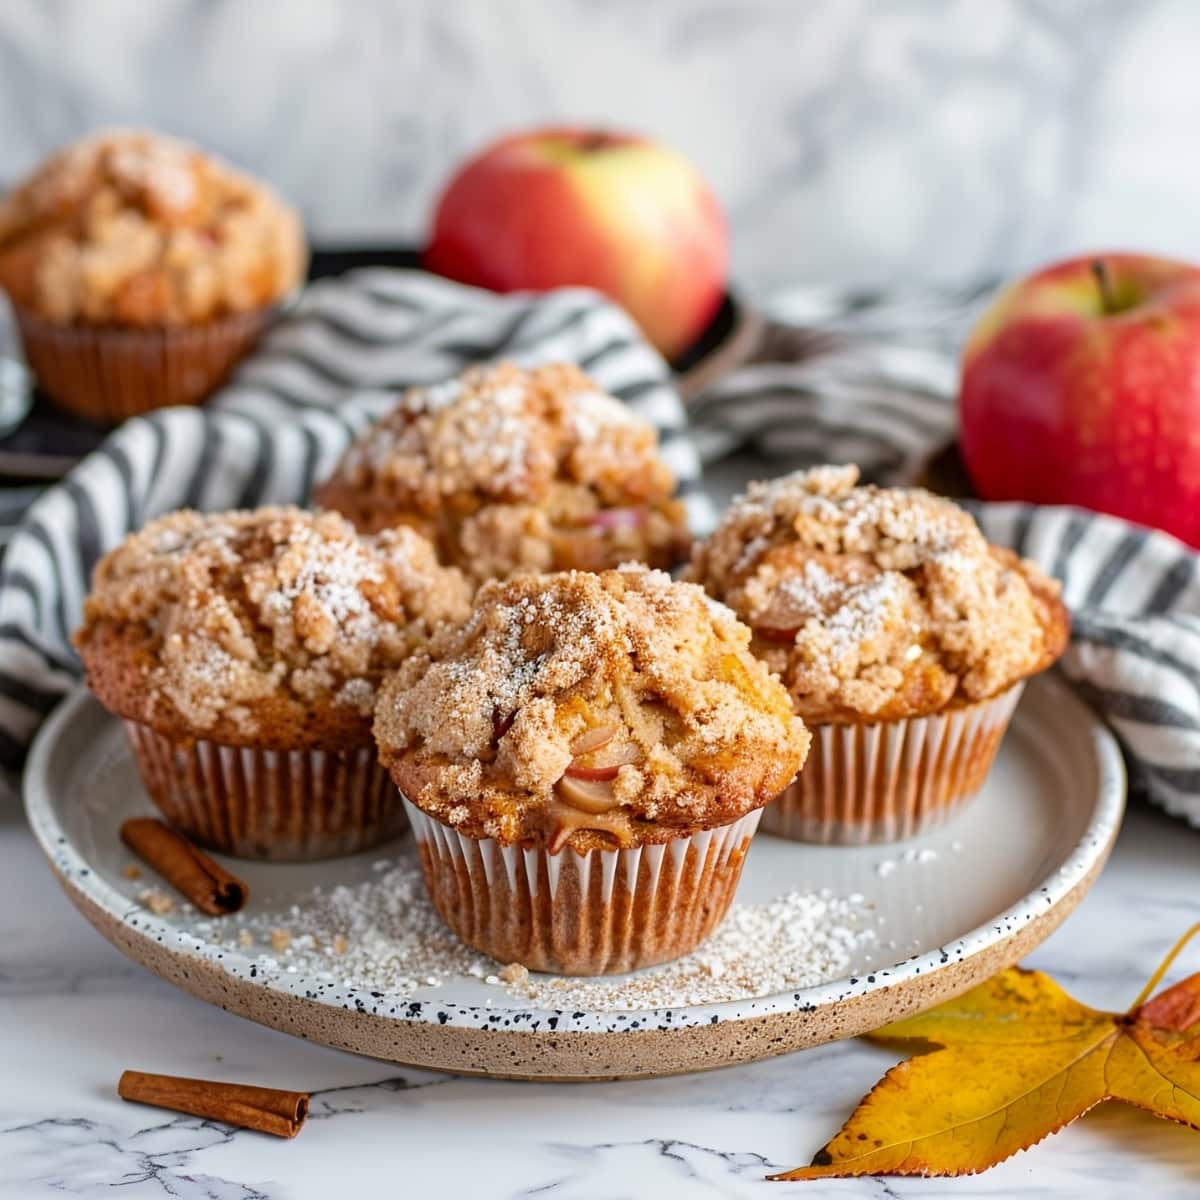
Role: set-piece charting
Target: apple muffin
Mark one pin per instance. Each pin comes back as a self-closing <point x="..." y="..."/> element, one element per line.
<point x="509" y="470"/>
<point x="141" y="269"/>
<point x="583" y="763"/>
<point x="903" y="637"/>
<point x="243" y="651"/>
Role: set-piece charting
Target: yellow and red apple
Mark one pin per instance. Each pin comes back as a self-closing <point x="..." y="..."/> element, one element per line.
<point x="1081" y="385"/>
<point x="566" y="206"/>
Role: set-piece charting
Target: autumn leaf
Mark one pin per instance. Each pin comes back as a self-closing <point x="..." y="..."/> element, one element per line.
<point x="1017" y="1059"/>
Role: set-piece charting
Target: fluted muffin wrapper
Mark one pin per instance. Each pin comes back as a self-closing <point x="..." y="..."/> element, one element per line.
<point x="107" y="374"/>
<point x="277" y="805"/>
<point x="885" y="782"/>
<point x="600" y="913"/>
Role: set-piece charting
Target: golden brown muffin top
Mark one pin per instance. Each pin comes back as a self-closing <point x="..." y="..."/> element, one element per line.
<point x="136" y="229"/>
<point x="877" y="603"/>
<point x="274" y="625"/>
<point x="515" y="469"/>
<point x="591" y="710"/>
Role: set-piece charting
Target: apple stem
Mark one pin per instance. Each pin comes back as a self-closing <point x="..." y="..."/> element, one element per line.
<point x="595" y="140"/>
<point x="1108" y="302"/>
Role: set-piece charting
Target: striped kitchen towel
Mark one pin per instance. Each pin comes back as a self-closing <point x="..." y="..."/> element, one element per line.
<point x="842" y="376"/>
<point x="332" y="365"/>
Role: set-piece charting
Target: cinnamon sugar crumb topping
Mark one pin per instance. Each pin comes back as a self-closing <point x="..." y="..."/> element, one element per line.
<point x="515" y="469"/>
<point x="481" y="728"/>
<point x="237" y="608"/>
<point x="138" y="229"/>
<point x="504" y="433"/>
<point x="877" y="602"/>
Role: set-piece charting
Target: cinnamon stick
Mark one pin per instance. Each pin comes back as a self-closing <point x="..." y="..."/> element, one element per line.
<point x="266" y="1110"/>
<point x="185" y="867"/>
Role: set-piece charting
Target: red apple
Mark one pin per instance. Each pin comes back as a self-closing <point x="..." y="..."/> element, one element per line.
<point x="619" y="213"/>
<point x="1081" y="385"/>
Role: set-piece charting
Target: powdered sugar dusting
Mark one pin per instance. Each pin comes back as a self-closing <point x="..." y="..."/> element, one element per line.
<point x="797" y="941"/>
<point x="161" y="166"/>
<point x="866" y="612"/>
<point x="813" y="589"/>
<point x="594" y="411"/>
<point x="498" y="442"/>
<point x="244" y="605"/>
<point x="877" y="602"/>
<point x="479" y="731"/>
<point x="433" y="398"/>
<point x="383" y="936"/>
<point x="515" y="470"/>
<point x="138" y="229"/>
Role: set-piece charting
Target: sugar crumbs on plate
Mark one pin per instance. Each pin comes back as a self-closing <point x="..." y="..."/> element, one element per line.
<point x="797" y="941"/>
<point x="384" y="936"/>
<point x="157" y="902"/>
<point x="515" y="974"/>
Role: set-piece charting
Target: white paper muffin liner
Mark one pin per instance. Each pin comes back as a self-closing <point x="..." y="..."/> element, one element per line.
<point x="282" y="805"/>
<point x="599" y="913"/>
<point x="892" y="780"/>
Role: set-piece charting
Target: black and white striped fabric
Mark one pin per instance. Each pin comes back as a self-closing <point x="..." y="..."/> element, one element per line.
<point x="332" y="365"/>
<point x="1134" y="596"/>
<point x="843" y="377"/>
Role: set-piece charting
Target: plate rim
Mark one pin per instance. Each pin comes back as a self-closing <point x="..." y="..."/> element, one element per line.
<point x="76" y="873"/>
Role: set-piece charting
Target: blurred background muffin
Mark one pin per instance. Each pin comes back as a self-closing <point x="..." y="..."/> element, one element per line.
<point x="140" y="270"/>
<point x="583" y="764"/>
<point x="509" y="470"/>
<point x="902" y="635"/>
<point x="243" y="651"/>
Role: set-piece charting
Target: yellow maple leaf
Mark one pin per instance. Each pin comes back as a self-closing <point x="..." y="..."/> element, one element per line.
<point x="1017" y="1059"/>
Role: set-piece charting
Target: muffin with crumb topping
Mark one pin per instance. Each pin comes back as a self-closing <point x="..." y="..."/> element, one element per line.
<point x="510" y="470"/>
<point x="141" y="270"/>
<point x="583" y="763"/>
<point x="243" y="651"/>
<point x="903" y="637"/>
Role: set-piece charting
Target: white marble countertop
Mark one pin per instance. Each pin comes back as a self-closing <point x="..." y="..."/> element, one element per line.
<point x="74" y="1013"/>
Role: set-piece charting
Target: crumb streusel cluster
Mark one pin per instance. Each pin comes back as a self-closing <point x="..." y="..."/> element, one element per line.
<point x="877" y="603"/>
<point x="507" y="469"/>
<point x="136" y="229"/>
<point x="481" y="728"/>
<point x="229" y="622"/>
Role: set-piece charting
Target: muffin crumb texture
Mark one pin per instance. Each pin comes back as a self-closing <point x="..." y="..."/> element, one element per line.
<point x="139" y="230"/>
<point x="878" y="603"/>
<point x="597" y="709"/>
<point x="508" y="469"/>
<point x="243" y="624"/>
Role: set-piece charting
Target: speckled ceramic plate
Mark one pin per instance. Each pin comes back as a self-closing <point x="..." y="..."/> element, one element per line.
<point x="958" y="905"/>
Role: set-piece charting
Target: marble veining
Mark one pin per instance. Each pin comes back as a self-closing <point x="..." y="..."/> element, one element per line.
<point x="849" y="140"/>
<point x="73" y="1014"/>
